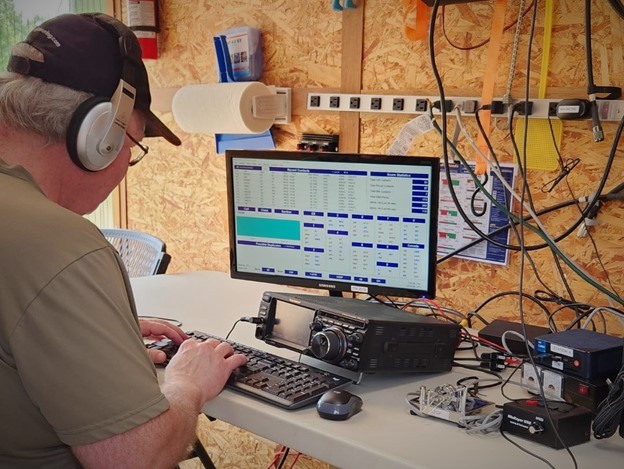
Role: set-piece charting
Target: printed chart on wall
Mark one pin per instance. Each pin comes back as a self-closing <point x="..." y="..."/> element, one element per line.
<point x="454" y="232"/>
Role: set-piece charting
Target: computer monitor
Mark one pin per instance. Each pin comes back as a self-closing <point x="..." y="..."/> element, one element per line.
<point x="339" y="222"/>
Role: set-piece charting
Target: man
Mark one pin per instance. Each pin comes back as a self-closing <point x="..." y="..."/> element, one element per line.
<point x="77" y="387"/>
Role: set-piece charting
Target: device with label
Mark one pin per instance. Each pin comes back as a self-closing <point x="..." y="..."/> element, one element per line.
<point x="581" y="352"/>
<point x="357" y="335"/>
<point x="568" y="425"/>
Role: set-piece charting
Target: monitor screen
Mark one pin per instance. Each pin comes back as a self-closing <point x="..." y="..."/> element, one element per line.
<point x="344" y="222"/>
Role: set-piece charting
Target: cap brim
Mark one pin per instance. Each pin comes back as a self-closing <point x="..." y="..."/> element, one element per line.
<point x="155" y="128"/>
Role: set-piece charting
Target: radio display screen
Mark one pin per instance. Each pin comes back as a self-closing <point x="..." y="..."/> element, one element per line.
<point x="292" y="325"/>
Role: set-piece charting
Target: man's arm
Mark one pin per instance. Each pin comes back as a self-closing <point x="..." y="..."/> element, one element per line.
<point x="196" y="374"/>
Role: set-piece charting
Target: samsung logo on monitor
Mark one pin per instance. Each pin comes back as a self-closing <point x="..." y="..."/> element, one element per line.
<point x="326" y="285"/>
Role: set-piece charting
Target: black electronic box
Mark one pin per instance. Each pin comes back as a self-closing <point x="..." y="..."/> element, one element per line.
<point x="580" y="352"/>
<point x="568" y="425"/>
<point x="357" y="335"/>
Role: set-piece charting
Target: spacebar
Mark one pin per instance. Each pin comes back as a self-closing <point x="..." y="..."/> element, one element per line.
<point x="255" y="392"/>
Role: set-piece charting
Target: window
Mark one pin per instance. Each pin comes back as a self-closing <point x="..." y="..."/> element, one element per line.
<point x="18" y="17"/>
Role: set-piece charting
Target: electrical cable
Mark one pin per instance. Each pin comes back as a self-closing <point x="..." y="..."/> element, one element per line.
<point x="521" y="448"/>
<point x="599" y="310"/>
<point x="445" y="143"/>
<point x="488" y="237"/>
<point x="592" y="201"/>
<point x="591" y="87"/>
<point x="227" y="336"/>
<point x="283" y="460"/>
<point x="496" y="169"/>
<point x="485" y="41"/>
<point x="540" y="231"/>
<point x="611" y="195"/>
<point x="588" y="314"/>
<point x="526" y="192"/>
<point x="593" y="214"/>
<point x="617" y="6"/>
<point x="536" y="300"/>
<point x="575" y="305"/>
<point x="609" y="412"/>
<point x="473" y="208"/>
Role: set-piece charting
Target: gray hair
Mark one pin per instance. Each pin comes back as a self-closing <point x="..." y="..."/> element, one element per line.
<point x="30" y="104"/>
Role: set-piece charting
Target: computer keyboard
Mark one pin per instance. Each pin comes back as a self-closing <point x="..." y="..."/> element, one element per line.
<point x="273" y="379"/>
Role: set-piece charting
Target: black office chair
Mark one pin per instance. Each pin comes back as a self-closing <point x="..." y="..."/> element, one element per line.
<point x="144" y="254"/>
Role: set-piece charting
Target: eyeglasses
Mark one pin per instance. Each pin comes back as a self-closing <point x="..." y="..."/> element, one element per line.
<point x="136" y="157"/>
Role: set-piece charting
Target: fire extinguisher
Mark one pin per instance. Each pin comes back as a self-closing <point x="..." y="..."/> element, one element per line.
<point x="143" y="20"/>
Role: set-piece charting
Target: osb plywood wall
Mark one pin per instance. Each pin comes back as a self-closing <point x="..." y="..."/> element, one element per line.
<point x="179" y="193"/>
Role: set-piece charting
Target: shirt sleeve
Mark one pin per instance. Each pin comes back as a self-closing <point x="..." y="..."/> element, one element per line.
<point x="81" y="357"/>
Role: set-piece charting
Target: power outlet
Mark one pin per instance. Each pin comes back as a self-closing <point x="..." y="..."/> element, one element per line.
<point x="376" y="104"/>
<point x="398" y="104"/>
<point x="530" y="379"/>
<point x="354" y="103"/>
<point x="469" y="106"/>
<point x="334" y="101"/>
<point x="315" y="101"/>
<point x="552" y="383"/>
<point x="523" y="107"/>
<point x="421" y="105"/>
<point x="552" y="108"/>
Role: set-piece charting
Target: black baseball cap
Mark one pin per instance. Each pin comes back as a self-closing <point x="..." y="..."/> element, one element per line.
<point x="91" y="52"/>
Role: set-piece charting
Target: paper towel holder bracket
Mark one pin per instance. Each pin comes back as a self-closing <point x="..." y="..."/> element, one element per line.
<point x="275" y="106"/>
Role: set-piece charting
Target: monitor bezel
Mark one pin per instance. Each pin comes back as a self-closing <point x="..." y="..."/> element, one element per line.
<point x="338" y="286"/>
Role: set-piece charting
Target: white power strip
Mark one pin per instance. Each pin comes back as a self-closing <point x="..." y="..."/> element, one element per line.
<point x="609" y="110"/>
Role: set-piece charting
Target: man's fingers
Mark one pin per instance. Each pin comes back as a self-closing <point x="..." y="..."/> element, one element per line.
<point x="157" y="356"/>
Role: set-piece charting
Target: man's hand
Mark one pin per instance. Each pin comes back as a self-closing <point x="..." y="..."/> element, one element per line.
<point x="160" y="329"/>
<point x="204" y="365"/>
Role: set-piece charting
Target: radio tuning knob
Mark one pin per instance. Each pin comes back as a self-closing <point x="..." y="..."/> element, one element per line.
<point x="329" y="345"/>
<point x="316" y="326"/>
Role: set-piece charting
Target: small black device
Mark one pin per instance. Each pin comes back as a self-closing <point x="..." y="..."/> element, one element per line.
<point x="338" y="404"/>
<point x="528" y="418"/>
<point x="580" y="352"/>
<point x="495" y="330"/>
<point x="357" y="335"/>
<point x="585" y="393"/>
<point x="568" y="109"/>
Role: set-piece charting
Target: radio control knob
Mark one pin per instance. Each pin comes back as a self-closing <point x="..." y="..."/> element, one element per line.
<point x="536" y="428"/>
<point x="329" y="345"/>
<point x="316" y="326"/>
<point x="349" y="364"/>
<point x="356" y="338"/>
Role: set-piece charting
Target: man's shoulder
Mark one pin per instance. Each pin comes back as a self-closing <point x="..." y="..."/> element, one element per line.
<point x="38" y="230"/>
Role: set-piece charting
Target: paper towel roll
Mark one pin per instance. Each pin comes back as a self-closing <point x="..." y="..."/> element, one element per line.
<point x="224" y="108"/>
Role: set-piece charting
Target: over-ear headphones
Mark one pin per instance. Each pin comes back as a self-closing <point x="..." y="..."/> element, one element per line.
<point x="97" y="128"/>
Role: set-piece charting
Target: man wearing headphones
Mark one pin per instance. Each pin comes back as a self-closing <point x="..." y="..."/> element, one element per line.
<point x="77" y="386"/>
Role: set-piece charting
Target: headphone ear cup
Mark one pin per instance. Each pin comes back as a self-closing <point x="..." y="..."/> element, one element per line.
<point x="86" y="130"/>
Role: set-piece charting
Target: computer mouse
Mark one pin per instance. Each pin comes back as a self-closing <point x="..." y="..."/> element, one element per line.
<point x="338" y="404"/>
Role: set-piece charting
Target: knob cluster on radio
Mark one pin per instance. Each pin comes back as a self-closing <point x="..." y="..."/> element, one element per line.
<point x="336" y="341"/>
